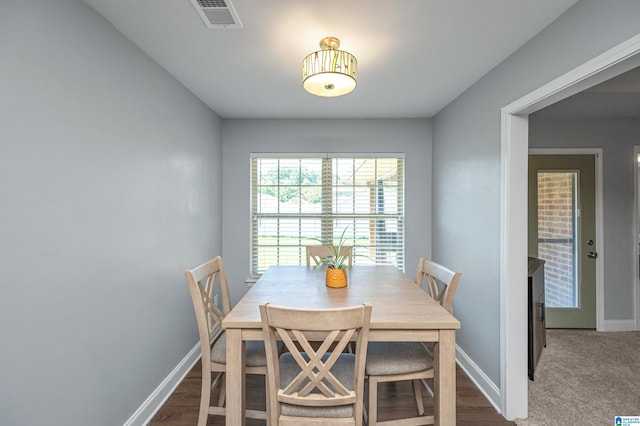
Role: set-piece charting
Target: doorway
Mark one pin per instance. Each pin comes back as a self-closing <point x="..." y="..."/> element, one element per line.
<point x="562" y="232"/>
<point x="513" y="216"/>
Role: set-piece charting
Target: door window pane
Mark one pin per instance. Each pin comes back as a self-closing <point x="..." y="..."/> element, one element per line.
<point x="557" y="231"/>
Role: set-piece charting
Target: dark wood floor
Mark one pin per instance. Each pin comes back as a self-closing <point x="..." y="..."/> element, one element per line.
<point x="395" y="401"/>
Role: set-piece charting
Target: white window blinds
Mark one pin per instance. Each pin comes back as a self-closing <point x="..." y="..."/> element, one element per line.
<point x="294" y="199"/>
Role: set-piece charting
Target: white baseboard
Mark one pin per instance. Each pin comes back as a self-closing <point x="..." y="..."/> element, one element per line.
<point x="619" y="325"/>
<point x="154" y="402"/>
<point x="477" y="376"/>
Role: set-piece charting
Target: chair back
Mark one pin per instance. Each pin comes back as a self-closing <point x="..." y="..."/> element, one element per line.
<point x="316" y="253"/>
<point x="204" y="281"/>
<point x="317" y="378"/>
<point x="440" y="281"/>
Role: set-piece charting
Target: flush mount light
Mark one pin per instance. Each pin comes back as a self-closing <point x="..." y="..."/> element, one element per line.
<point x="329" y="72"/>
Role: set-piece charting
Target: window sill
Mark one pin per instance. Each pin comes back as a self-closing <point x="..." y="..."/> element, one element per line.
<point x="250" y="281"/>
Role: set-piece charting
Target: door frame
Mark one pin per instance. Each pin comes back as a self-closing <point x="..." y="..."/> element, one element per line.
<point x="636" y="245"/>
<point x="599" y="197"/>
<point x="513" y="211"/>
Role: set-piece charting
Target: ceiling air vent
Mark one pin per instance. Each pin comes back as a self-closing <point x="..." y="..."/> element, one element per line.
<point x="217" y="13"/>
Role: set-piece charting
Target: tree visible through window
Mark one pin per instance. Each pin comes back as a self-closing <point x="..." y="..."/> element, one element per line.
<point x="297" y="199"/>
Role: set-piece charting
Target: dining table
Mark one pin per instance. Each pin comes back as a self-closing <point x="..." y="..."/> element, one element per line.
<point x="401" y="312"/>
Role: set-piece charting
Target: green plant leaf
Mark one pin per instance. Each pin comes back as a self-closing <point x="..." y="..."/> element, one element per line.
<point x="337" y="260"/>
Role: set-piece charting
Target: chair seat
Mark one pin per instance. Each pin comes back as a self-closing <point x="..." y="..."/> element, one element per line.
<point x="255" y="355"/>
<point x="343" y="369"/>
<point x="387" y="358"/>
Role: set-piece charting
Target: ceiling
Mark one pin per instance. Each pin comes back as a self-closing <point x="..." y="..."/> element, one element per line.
<point x="414" y="56"/>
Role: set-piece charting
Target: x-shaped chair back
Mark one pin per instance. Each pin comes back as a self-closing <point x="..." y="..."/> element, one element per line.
<point x="203" y="282"/>
<point x="317" y="253"/>
<point x="440" y="282"/>
<point x="316" y="384"/>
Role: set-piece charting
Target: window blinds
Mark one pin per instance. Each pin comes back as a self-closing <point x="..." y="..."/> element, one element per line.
<point x="296" y="199"/>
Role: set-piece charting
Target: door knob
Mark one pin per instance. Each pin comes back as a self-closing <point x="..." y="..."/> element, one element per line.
<point x="592" y="255"/>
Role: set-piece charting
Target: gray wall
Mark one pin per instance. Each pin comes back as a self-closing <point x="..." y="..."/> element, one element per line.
<point x="617" y="139"/>
<point x="109" y="187"/>
<point x="466" y="167"/>
<point x="242" y="137"/>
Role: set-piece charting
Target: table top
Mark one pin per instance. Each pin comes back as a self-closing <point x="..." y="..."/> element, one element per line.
<point x="397" y="302"/>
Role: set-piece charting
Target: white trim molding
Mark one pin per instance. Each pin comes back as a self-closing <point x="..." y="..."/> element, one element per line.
<point x="154" y="402"/>
<point x="619" y="325"/>
<point x="636" y="241"/>
<point x="513" y="267"/>
<point x="477" y="376"/>
<point x="513" y="211"/>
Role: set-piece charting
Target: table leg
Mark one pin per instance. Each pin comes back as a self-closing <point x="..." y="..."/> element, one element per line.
<point x="235" y="378"/>
<point x="445" y="379"/>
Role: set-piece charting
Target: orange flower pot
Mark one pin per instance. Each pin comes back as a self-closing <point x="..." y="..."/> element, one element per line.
<point x="336" y="278"/>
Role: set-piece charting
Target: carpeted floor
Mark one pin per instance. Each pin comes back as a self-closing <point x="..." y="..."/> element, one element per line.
<point x="585" y="378"/>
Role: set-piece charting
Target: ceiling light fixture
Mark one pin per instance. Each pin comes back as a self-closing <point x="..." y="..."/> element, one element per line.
<point x="329" y="72"/>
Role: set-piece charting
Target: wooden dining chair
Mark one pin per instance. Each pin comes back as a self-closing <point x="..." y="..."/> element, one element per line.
<point x="316" y="253"/>
<point x="440" y="282"/>
<point x="203" y="281"/>
<point x="309" y="386"/>
<point x="400" y="361"/>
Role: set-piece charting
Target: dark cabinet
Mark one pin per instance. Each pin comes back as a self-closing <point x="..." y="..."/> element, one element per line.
<point x="537" y="331"/>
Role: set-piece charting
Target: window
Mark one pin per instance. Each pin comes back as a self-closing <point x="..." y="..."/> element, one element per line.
<point x="557" y="232"/>
<point x="295" y="199"/>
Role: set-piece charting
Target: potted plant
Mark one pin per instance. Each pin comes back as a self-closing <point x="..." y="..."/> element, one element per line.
<point x="337" y="261"/>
